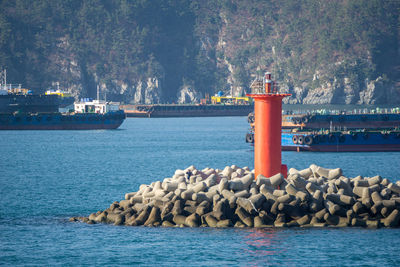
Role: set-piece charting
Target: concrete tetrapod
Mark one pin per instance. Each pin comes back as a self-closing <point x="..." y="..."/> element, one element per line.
<point x="313" y="197"/>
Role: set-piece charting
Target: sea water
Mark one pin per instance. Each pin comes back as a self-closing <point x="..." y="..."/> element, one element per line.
<point x="48" y="176"/>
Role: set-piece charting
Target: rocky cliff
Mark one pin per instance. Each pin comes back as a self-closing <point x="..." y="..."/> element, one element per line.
<point x="336" y="52"/>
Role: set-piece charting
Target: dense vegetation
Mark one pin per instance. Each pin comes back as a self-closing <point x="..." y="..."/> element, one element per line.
<point x="207" y="44"/>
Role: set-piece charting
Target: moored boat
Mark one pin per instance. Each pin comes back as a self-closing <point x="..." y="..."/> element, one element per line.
<point x="187" y="110"/>
<point x="357" y="120"/>
<point x="88" y="115"/>
<point x="374" y="130"/>
<point x="339" y="141"/>
<point x="21" y="110"/>
<point x="342" y="141"/>
<point x="60" y="121"/>
<point x="218" y="105"/>
<point x="383" y="120"/>
<point x="14" y="98"/>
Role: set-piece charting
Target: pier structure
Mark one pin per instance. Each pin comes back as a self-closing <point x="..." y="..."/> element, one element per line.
<point x="267" y="126"/>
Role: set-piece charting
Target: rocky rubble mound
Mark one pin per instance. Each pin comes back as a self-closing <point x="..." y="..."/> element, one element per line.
<point x="313" y="197"/>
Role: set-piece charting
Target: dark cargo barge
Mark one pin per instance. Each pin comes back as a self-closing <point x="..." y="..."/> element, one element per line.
<point x="338" y="141"/>
<point x="374" y="131"/>
<point x="22" y="110"/>
<point x="348" y="121"/>
<point x="32" y="103"/>
<point x="342" y="141"/>
<point x="59" y="121"/>
<point x="194" y="110"/>
<point x="339" y="121"/>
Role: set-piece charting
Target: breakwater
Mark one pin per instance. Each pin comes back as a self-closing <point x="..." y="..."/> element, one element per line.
<point x="313" y="197"/>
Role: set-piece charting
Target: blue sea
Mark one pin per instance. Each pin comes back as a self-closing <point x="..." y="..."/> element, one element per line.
<point x="48" y="176"/>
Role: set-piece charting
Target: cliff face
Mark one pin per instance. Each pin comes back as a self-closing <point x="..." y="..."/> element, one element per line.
<point x="322" y="53"/>
<point x="336" y="52"/>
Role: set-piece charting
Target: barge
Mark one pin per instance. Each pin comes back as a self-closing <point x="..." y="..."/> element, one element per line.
<point x="14" y="98"/>
<point x="361" y="120"/>
<point x="187" y="110"/>
<point x="348" y="121"/>
<point x="342" y="141"/>
<point x="217" y="105"/>
<point x="339" y="141"/>
<point x="323" y="131"/>
<point x="60" y="121"/>
<point x="22" y="110"/>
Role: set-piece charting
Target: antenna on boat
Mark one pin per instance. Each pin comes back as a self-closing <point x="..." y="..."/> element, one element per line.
<point x="3" y="75"/>
<point x="98" y="93"/>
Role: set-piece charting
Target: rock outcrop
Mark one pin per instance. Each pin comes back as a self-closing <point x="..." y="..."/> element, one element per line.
<point x="187" y="95"/>
<point x="148" y="92"/>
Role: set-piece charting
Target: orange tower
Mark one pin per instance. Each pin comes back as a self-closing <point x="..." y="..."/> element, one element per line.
<point x="267" y="128"/>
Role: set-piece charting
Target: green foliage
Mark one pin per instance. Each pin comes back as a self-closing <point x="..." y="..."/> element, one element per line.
<point x="176" y="40"/>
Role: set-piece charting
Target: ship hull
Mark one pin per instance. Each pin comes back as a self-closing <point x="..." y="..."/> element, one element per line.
<point x="61" y="127"/>
<point x="341" y="121"/>
<point x="371" y="141"/>
<point x="33" y="103"/>
<point x="57" y="121"/>
<point x="344" y="148"/>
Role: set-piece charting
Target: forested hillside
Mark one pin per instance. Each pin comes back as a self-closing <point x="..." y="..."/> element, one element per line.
<point x="163" y="51"/>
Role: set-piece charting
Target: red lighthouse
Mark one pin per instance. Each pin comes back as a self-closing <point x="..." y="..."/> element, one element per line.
<point x="267" y="127"/>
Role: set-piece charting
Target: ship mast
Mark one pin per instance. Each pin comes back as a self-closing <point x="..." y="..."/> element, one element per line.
<point x="3" y="76"/>
<point x="98" y="93"/>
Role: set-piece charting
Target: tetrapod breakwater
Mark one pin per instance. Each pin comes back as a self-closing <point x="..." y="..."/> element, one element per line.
<point x="313" y="197"/>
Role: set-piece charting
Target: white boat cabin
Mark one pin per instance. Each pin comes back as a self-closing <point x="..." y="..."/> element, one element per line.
<point x="87" y="105"/>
